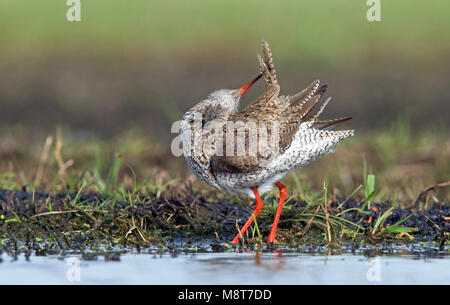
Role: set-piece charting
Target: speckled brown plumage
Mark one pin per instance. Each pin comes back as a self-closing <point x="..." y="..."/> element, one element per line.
<point x="294" y="118"/>
<point x="285" y="131"/>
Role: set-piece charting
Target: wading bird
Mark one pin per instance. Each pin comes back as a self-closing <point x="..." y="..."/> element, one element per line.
<point x="286" y="130"/>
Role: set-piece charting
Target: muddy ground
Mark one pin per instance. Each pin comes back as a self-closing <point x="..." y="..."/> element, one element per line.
<point x="42" y="223"/>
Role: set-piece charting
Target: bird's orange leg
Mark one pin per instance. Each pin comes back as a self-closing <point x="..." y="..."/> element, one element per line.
<point x="258" y="208"/>
<point x="283" y="193"/>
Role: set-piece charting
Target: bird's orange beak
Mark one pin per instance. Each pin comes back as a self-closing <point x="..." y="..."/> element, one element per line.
<point x="243" y="89"/>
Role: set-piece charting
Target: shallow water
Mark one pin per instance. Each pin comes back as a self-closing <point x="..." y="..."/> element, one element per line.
<point x="229" y="268"/>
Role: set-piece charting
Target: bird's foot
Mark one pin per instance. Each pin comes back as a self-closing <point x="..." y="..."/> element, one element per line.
<point x="272" y="239"/>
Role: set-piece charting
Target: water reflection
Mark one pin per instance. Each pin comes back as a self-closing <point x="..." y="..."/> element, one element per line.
<point x="283" y="266"/>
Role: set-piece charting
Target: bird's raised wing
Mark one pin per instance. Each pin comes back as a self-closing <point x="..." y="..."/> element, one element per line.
<point x="301" y="109"/>
<point x="268" y="99"/>
<point x="265" y="109"/>
<point x="281" y="115"/>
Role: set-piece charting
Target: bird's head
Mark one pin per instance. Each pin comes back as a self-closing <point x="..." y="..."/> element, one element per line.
<point x="229" y="98"/>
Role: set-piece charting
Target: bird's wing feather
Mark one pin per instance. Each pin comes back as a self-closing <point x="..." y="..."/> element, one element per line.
<point x="267" y="107"/>
<point x="326" y="124"/>
<point x="282" y="116"/>
<point x="299" y="111"/>
<point x="269" y="97"/>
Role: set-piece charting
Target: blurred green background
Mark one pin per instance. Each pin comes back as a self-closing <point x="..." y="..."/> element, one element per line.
<point x="143" y="63"/>
<point x="118" y="79"/>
